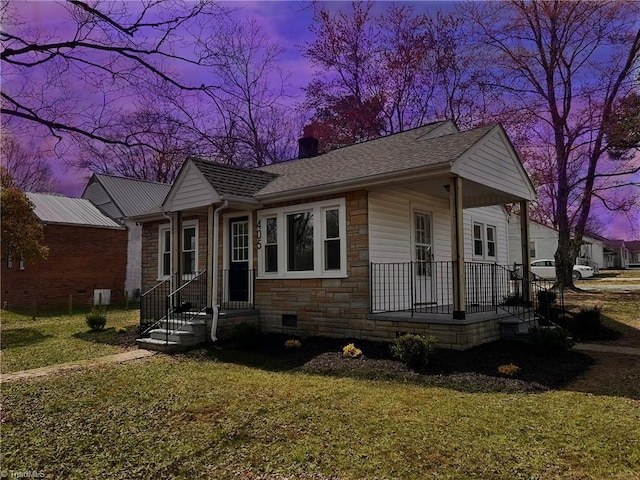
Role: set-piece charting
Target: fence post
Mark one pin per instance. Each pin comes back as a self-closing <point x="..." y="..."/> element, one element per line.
<point x="70" y="304"/>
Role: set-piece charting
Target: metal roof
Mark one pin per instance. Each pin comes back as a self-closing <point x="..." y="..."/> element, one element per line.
<point x="58" y="209"/>
<point x="404" y="151"/>
<point x="132" y="196"/>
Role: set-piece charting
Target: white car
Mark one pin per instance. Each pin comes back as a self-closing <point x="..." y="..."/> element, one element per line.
<point x="547" y="269"/>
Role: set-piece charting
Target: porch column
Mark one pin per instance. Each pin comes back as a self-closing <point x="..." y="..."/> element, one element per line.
<point x="210" y="253"/>
<point x="524" y="245"/>
<point x="457" y="247"/>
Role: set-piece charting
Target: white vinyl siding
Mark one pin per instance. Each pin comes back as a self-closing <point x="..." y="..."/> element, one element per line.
<point x="494" y="217"/>
<point x="193" y="191"/>
<point x="492" y="163"/>
<point x="390" y="224"/>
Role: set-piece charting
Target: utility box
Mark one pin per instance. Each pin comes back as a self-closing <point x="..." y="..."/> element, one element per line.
<point x="102" y="296"/>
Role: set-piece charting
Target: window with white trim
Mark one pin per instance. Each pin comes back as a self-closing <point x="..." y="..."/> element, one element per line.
<point x="303" y="241"/>
<point x="532" y="249"/>
<point x="332" y="239"/>
<point x="164" y="251"/>
<point x="9" y="261"/>
<point x="271" y="245"/>
<point x="189" y="249"/>
<point x="491" y="241"/>
<point x="478" y="240"/>
<point x="484" y="241"/>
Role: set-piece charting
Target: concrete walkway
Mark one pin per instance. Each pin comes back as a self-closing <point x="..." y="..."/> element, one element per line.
<point x="53" y="369"/>
<point x="596" y="347"/>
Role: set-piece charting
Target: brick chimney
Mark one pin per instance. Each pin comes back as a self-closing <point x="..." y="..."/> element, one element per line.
<point x="308" y="144"/>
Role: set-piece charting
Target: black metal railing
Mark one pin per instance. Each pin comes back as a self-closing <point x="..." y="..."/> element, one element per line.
<point x="236" y="289"/>
<point x="153" y="304"/>
<point x="533" y="298"/>
<point x="172" y="302"/>
<point x="427" y="287"/>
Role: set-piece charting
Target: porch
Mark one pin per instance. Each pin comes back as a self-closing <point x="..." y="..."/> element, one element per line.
<point x="417" y="297"/>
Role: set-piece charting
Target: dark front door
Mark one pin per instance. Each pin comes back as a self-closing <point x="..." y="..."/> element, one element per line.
<point x="239" y="259"/>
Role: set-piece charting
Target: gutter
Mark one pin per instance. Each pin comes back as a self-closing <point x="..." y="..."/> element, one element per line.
<point x="215" y="307"/>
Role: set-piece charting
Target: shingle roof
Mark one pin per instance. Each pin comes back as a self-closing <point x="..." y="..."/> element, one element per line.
<point x="133" y="197"/>
<point x="233" y="181"/>
<point x="52" y="208"/>
<point x="395" y="153"/>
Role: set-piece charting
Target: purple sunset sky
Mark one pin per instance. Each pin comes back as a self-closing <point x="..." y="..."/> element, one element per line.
<point x="286" y="22"/>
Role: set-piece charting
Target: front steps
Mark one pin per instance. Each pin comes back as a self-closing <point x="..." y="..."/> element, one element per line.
<point x="165" y="339"/>
<point x="516" y="328"/>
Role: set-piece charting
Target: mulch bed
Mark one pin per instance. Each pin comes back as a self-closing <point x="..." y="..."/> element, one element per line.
<point x="471" y="370"/>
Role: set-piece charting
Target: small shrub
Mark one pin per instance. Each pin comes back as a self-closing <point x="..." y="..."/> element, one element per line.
<point x="293" y="344"/>
<point x="351" y="351"/>
<point x="509" y="369"/>
<point x="551" y="341"/>
<point x="414" y="350"/>
<point x="546" y="298"/>
<point x="587" y="325"/>
<point x="96" y="321"/>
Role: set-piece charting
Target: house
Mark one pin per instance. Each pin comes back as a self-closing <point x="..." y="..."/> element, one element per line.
<point x="634" y="253"/>
<point x="121" y="199"/>
<point x="617" y="254"/>
<point x="86" y="262"/>
<point x="405" y="233"/>
<point x="543" y="243"/>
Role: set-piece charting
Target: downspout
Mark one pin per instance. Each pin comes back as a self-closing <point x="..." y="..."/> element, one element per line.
<point x="170" y="218"/>
<point x="214" y="304"/>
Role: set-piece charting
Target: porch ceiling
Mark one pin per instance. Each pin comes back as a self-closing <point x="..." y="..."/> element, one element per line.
<point x="474" y="194"/>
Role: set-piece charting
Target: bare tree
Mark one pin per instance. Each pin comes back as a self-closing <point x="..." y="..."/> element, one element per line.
<point x="82" y="78"/>
<point x="24" y="168"/>
<point x="252" y="127"/>
<point x="568" y="64"/>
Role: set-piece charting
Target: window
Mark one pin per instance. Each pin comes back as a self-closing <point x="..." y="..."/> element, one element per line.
<point x="9" y="261"/>
<point x="532" y="249"/>
<point x="478" y="241"/>
<point x="303" y="241"/>
<point x="21" y="264"/>
<point x="491" y="242"/>
<point x="240" y="241"/>
<point x="189" y="241"/>
<point x="300" y="242"/>
<point x="484" y="241"/>
<point x="188" y="255"/>
<point x="422" y="233"/>
<point x="332" y="239"/>
<point x="164" y="256"/>
<point x="271" y="245"/>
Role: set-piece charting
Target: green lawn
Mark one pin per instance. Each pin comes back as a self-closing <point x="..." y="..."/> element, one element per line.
<point x="190" y="417"/>
<point x="55" y="339"/>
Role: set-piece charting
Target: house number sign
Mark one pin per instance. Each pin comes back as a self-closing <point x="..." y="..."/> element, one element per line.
<point x="259" y="235"/>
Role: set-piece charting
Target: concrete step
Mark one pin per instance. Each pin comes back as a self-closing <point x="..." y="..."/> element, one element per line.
<point x="160" y="345"/>
<point x="197" y="327"/>
<point x="181" y="337"/>
<point x="513" y="327"/>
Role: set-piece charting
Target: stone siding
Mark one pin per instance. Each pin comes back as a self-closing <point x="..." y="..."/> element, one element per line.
<point x="335" y="307"/>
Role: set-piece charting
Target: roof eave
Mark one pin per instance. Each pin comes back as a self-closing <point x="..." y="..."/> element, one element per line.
<point x="353" y="184"/>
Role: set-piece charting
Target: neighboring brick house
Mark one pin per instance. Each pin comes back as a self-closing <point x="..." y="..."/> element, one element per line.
<point x="87" y="258"/>
<point x="405" y="233"/>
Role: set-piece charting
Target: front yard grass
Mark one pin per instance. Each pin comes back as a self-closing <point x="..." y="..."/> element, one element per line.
<point x="191" y="416"/>
<point x="59" y="338"/>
